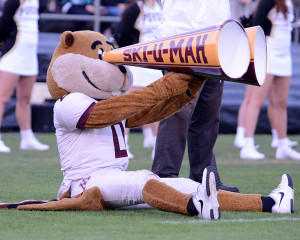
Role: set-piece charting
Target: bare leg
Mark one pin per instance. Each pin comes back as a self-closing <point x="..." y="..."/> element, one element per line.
<point x="239" y="140"/>
<point x="279" y="92"/>
<point x="8" y="82"/>
<point x="23" y="114"/>
<point x="23" y="108"/>
<point x="258" y="97"/>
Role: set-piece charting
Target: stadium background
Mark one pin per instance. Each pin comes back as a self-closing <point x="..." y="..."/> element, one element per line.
<point x="51" y="25"/>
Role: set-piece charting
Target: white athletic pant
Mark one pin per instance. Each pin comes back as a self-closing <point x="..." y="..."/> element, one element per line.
<point x="184" y="185"/>
<point x="124" y="188"/>
<point x="118" y="188"/>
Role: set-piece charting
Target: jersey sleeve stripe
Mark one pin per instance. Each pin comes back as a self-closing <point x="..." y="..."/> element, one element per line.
<point x="81" y="122"/>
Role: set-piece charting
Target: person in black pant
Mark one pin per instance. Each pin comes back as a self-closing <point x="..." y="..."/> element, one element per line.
<point x="197" y="122"/>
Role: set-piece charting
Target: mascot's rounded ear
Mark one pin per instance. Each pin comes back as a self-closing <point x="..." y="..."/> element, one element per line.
<point x="67" y="39"/>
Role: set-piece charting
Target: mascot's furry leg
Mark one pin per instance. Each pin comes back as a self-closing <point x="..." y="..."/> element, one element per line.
<point x="89" y="200"/>
<point x="230" y="201"/>
<point x="280" y="200"/>
<point x="165" y="198"/>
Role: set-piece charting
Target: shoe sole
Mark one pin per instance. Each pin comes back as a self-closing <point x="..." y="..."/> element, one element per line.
<point x="212" y="181"/>
<point x="286" y="157"/>
<point x="36" y="149"/>
<point x="290" y="184"/>
<point x="251" y="158"/>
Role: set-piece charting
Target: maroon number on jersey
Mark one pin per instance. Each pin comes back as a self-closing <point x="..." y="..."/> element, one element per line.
<point x="118" y="152"/>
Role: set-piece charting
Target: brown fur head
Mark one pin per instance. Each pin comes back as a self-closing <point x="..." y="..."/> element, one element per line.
<point x="77" y="66"/>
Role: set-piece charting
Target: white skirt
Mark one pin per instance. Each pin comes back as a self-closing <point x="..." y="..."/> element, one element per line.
<point x="142" y="77"/>
<point x="279" y="61"/>
<point x="22" y="59"/>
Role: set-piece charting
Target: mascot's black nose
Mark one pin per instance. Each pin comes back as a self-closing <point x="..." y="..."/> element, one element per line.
<point x="122" y="69"/>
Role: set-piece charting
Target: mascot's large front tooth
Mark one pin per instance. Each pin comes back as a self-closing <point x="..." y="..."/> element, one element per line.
<point x="116" y="93"/>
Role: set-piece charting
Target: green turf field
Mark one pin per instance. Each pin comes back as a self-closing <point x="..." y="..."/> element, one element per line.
<point x="37" y="175"/>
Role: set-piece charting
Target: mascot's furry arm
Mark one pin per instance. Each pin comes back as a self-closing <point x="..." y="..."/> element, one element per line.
<point x="153" y="103"/>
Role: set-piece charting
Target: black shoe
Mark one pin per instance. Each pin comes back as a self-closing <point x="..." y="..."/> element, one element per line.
<point x="228" y="188"/>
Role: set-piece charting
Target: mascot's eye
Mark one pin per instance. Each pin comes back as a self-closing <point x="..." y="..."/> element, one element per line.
<point x="100" y="53"/>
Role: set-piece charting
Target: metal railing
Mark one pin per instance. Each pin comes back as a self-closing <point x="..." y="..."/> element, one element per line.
<point x="95" y="18"/>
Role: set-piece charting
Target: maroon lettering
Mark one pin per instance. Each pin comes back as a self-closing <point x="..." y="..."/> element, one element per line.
<point x="145" y="59"/>
<point x="158" y="58"/>
<point x="83" y="182"/>
<point x="176" y="50"/>
<point x="200" y="48"/>
<point x="189" y="50"/>
<point x="135" y="54"/>
<point x="118" y="152"/>
<point x="127" y="55"/>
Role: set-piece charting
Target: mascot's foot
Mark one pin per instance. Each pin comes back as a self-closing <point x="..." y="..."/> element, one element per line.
<point x="205" y="200"/>
<point x="283" y="196"/>
<point x="33" y="144"/>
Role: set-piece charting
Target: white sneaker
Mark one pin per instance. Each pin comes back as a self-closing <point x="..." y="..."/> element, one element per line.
<point x="251" y="153"/>
<point x="283" y="196"/>
<point x="287" y="152"/>
<point x="274" y="143"/>
<point x="33" y="144"/>
<point x="206" y="198"/>
<point x="148" y="142"/>
<point x="239" y="141"/>
<point x="3" y="147"/>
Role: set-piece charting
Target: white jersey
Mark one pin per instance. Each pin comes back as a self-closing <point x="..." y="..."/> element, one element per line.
<point x="85" y="151"/>
<point x="182" y="16"/>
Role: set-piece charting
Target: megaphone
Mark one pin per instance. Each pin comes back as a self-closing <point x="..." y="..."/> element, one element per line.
<point x="220" y="51"/>
<point x="257" y="69"/>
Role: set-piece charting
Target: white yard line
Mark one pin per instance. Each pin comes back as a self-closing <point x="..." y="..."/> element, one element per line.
<point x="233" y="220"/>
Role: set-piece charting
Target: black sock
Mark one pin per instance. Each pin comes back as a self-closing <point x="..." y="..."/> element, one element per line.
<point x="191" y="208"/>
<point x="267" y="203"/>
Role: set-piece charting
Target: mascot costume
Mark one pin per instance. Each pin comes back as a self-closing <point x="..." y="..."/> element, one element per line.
<point x="90" y="115"/>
